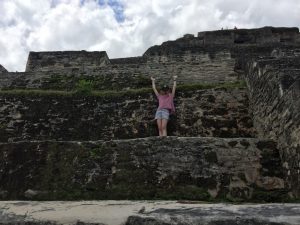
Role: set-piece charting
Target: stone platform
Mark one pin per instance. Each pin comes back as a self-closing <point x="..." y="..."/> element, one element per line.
<point x="168" y="168"/>
<point x="146" y="212"/>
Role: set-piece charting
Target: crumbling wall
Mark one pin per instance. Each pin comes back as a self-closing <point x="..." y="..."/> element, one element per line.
<point x="214" y="112"/>
<point x="2" y="69"/>
<point x="212" y="57"/>
<point x="274" y="90"/>
<point x="150" y="168"/>
<point x="61" y="59"/>
<point x="190" y="67"/>
<point x="265" y="35"/>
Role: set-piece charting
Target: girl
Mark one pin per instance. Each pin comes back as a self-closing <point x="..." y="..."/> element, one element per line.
<point x="166" y="105"/>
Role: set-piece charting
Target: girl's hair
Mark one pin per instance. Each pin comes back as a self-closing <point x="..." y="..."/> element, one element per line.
<point x="165" y="88"/>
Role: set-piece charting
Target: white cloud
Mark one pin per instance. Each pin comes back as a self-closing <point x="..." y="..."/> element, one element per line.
<point x="48" y="25"/>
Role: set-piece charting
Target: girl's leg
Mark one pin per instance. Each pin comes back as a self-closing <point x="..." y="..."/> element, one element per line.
<point x="164" y="127"/>
<point x="159" y="125"/>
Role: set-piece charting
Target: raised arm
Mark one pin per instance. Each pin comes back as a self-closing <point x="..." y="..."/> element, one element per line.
<point x="153" y="86"/>
<point x="174" y="85"/>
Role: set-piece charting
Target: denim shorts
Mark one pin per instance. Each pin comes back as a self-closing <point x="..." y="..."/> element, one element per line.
<point x="162" y="114"/>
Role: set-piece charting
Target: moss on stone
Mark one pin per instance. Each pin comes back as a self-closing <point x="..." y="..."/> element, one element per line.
<point x="121" y="170"/>
<point x="3" y="125"/>
<point x="120" y="93"/>
<point x="184" y="192"/>
<point x="57" y="174"/>
<point x="201" y="86"/>
<point x="142" y="191"/>
<point x="100" y="151"/>
<point x="261" y="195"/>
<point x="100" y="82"/>
<point x="141" y="80"/>
<point x="35" y="92"/>
<point x="211" y="157"/>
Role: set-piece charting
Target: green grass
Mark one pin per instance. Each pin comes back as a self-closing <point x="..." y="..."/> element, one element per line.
<point x="84" y="87"/>
<point x="115" y="93"/>
<point x="35" y="92"/>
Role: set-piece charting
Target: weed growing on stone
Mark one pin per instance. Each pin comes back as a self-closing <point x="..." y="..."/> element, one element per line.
<point x="86" y="88"/>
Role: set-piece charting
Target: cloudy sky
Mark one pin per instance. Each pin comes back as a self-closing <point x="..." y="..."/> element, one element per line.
<point x="124" y="28"/>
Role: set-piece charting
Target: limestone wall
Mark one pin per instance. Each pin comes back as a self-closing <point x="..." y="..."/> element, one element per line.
<point x="61" y="59"/>
<point x="202" y="65"/>
<point x="150" y="168"/>
<point x="242" y="168"/>
<point x="68" y="78"/>
<point x="212" y="57"/>
<point x="2" y="69"/>
<point x="263" y="35"/>
<point x="274" y="89"/>
<point x="190" y="67"/>
<point x="214" y="112"/>
<point x="129" y="60"/>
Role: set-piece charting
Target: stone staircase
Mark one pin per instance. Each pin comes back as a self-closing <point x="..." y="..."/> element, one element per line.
<point x="57" y="147"/>
<point x="218" y="112"/>
<point x="103" y="145"/>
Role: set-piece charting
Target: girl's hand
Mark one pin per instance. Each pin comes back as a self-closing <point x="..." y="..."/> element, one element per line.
<point x="152" y="78"/>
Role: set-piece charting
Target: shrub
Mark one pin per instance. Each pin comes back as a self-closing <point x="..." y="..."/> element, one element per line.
<point x="84" y="87"/>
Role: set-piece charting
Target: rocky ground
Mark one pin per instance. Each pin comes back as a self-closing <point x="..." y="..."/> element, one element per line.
<point x="146" y="212"/>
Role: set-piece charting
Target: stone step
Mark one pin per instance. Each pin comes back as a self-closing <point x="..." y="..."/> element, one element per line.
<point x="213" y="112"/>
<point x="146" y="212"/>
<point x="195" y="168"/>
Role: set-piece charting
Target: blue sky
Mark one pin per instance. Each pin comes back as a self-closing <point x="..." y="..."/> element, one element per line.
<point x="124" y="28"/>
<point x="117" y="7"/>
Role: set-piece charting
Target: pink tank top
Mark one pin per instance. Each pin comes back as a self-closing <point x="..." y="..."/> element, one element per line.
<point x="166" y="102"/>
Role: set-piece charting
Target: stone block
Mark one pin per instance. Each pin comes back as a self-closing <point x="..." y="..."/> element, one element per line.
<point x="195" y="168"/>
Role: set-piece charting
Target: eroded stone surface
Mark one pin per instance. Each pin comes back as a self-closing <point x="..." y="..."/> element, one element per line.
<point x="190" y="67"/>
<point x="264" y="35"/>
<point x="2" y="69"/>
<point x="212" y="57"/>
<point x="44" y="61"/>
<point x="213" y="112"/>
<point x="146" y="212"/>
<point x="274" y="89"/>
<point x="148" y="168"/>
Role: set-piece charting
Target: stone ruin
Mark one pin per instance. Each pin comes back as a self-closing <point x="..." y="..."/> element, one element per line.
<point x="235" y="137"/>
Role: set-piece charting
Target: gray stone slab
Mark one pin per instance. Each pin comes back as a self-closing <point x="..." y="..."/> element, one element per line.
<point x="146" y="212"/>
